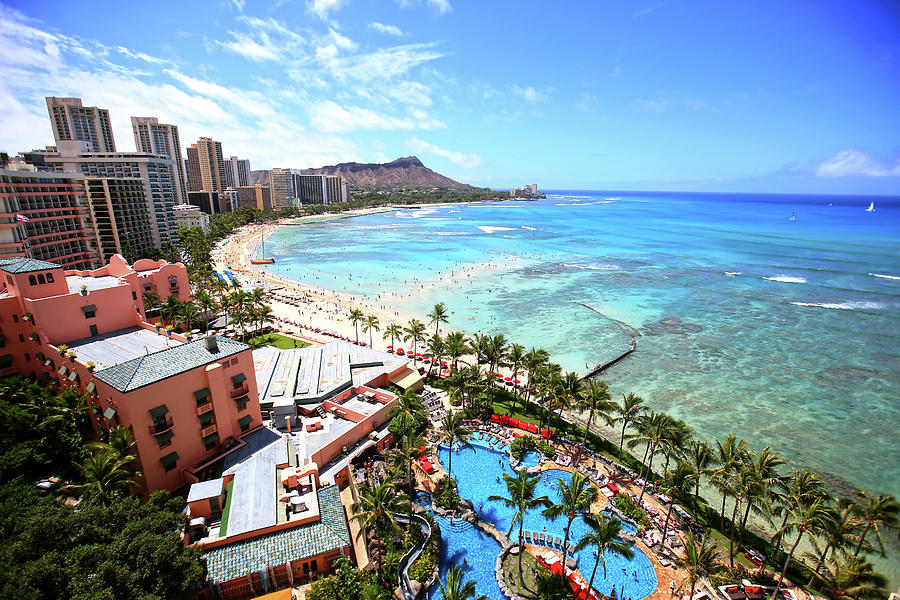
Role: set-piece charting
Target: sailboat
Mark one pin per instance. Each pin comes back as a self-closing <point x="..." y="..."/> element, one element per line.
<point x="871" y="207"/>
<point x="263" y="259"/>
<point x="793" y="217"/>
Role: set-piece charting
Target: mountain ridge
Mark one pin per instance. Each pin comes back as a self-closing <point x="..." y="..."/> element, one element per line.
<point x="406" y="171"/>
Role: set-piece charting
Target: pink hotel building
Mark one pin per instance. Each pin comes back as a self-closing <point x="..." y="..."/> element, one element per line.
<point x="184" y="400"/>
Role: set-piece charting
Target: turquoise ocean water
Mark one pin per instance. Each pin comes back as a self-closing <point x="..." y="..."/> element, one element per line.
<point x="785" y="332"/>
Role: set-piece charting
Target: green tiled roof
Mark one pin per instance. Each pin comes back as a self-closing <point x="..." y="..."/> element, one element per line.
<point x="329" y="533"/>
<point x="150" y="368"/>
<point x="26" y="265"/>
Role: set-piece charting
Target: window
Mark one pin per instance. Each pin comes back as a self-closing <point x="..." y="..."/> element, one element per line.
<point x="244" y="422"/>
<point x="165" y="439"/>
<point x="310" y="567"/>
<point x="94" y="330"/>
<point x="214" y="505"/>
<point x="41" y="279"/>
<point x="134" y="295"/>
<point x="15" y="318"/>
<point x="238" y="380"/>
<point x="27" y="356"/>
<point x="242" y="402"/>
<point x="169" y="461"/>
<point x="210" y="441"/>
<point x="6" y="361"/>
<point x="32" y="280"/>
<point x="21" y="338"/>
<point x="206" y="418"/>
<point x="90" y="311"/>
<point x="49" y="277"/>
<point x="89" y="314"/>
<point x="10" y="279"/>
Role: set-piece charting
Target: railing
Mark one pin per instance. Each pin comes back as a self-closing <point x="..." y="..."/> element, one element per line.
<point x="204" y="408"/>
<point x="414" y="552"/>
<point x="240" y="391"/>
<point x="208" y="430"/>
<point x="161" y="426"/>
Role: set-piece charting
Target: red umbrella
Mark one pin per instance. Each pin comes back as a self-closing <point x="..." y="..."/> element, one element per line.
<point x="390" y="347"/>
<point x="443" y="363"/>
<point x="507" y="379"/>
<point x="499" y="375"/>
<point x="516" y="381"/>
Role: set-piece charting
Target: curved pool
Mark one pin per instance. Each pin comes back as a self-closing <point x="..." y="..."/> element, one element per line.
<point x="479" y="475"/>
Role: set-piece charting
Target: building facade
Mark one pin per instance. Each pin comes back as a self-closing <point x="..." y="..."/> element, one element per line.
<point x="155" y="171"/>
<point x="153" y="137"/>
<point x="208" y="202"/>
<point x="282" y="184"/>
<point x="188" y="215"/>
<point x="73" y="122"/>
<point x="45" y="216"/>
<point x="183" y="399"/>
<point x="237" y="172"/>
<point x="121" y="220"/>
<point x="322" y="189"/>
<point x="207" y="162"/>
<point x="258" y="196"/>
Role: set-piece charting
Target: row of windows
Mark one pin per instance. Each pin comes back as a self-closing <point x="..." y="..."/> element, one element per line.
<point x="40" y="279"/>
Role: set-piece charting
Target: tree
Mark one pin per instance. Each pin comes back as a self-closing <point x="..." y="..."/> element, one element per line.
<point x="496" y="348"/>
<point x="675" y="485"/>
<point x="840" y="533"/>
<point x="651" y="429"/>
<point x="876" y="511"/>
<point x="435" y="349"/>
<point x="405" y="455"/>
<point x="603" y="535"/>
<point x="414" y="332"/>
<point x="457" y="587"/>
<point x="852" y="579"/>
<point x="455" y="432"/>
<point x="761" y="477"/>
<point x="207" y="306"/>
<point x="630" y="408"/>
<point x="802" y="519"/>
<point x="521" y="490"/>
<point x="699" y="560"/>
<point x="106" y="476"/>
<point x="356" y="316"/>
<point x="575" y="499"/>
<point x="170" y="307"/>
<point x="802" y="487"/>
<point x="730" y="452"/>
<point x="455" y="345"/>
<point x="700" y="457"/>
<point x="552" y="586"/>
<point x="392" y="331"/>
<point x="516" y="358"/>
<point x="151" y="302"/>
<point x="376" y="507"/>
<point x="370" y="324"/>
<point x="570" y="390"/>
<point x="437" y="316"/>
<point x="408" y="414"/>
<point x="597" y="401"/>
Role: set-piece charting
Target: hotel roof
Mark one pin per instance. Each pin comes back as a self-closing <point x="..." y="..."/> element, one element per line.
<point x="116" y="347"/>
<point x="330" y="532"/>
<point x="157" y="366"/>
<point x="92" y="283"/>
<point x="26" y="265"/>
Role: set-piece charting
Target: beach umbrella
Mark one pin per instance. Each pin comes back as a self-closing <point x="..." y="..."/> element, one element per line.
<point x="499" y="376"/>
<point x="507" y="379"/>
<point x="444" y="364"/>
<point x="516" y="381"/>
<point x="390" y="347"/>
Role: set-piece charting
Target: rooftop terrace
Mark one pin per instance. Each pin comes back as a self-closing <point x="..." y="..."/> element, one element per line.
<point x="93" y="283"/>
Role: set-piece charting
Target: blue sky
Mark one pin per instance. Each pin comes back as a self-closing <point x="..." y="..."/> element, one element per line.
<point x="775" y="96"/>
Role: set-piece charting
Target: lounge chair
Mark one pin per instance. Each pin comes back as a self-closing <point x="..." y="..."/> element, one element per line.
<point x="558" y="542"/>
<point x="527" y="535"/>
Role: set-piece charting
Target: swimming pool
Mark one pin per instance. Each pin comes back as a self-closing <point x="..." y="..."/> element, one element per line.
<point x="479" y="475"/>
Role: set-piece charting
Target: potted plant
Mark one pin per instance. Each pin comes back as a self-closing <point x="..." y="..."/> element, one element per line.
<point x="84" y="290"/>
<point x="169" y="329"/>
<point x="62" y="349"/>
<point x="91" y="365"/>
<point x="71" y="355"/>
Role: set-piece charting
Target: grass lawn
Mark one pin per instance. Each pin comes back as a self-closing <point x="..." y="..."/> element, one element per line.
<point x="223" y="528"/>
<point x="279" y="341"/>
<point x="530" y="567"/>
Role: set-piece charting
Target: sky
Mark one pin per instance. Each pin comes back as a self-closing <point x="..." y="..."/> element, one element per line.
<point x="764" y="96"/>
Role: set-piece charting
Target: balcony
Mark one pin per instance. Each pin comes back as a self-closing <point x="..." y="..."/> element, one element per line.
<point x="208" y="430"/>
<point x="161" y="426"/>
<point x="242" y="390"/>
<point x="204" y="408"/>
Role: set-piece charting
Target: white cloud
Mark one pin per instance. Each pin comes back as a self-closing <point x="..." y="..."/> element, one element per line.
<point x="856" y="162"/>
<point x="386" y="29"/>
<point x="142" y="56"/>
<point x="528" y="94"/>
<point x="332" y="117"/>
<point x="442" y="6"/>
<point x="239" y="4"/>
<point x="386" y="63"/>
<point x="321" y="8"/>
<point x="264" y="39"/>
<point x="462" y="159"/>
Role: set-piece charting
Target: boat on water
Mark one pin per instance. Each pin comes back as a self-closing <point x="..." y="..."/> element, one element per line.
<point x="793" y="217"/>
<point x="871" y="207"/>
<point x="263" y="259"/>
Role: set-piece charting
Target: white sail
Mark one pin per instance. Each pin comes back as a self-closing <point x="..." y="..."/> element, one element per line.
<point x="871" y="207"/>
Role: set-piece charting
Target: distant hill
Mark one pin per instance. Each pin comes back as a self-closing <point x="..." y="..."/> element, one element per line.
<point x="403" y="172"/>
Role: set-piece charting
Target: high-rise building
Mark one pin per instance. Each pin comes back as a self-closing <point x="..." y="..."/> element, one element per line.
<point x="154" y="137"/>
<point x="206" y="166"/>
<point x="45" y="216"/>
<point x="237" y="172"/>
<point x="187" y="215"/>
<point x="207" y="202"/>
<point x="155" y="171"/>
<point x="73" y="122"/>
<point x="258" y="196"/>
<point x="322" y="189"/>
<point x="282" y="183"/>
<point x="119" y="210"/>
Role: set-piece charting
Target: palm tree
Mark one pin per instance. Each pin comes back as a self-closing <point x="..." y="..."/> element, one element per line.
<point x="603" y="535"/>
<point x="435" y="349"/>
<point x="763" y="477"/>
<point x="455" y="344"/>
<point x="151" y="302"/>
<point x="455" y="432"/>
<point x="408" y="409"/>
<point x="105" y="475"/>
<point x="376" y="507"/>
<point x="630" y="408"/>
<point x="457" y="588"/>
<point x="729" y="453"/>
<point x="700" y="457"/>
<point x="189" y="314"/>
<point x="804" y="518"/>
<point x="597" y="401"/>
<point x="699" y="559"/>
<point x="356" y="316"/>
<point x="841" y="532"/>
<point x="414" y="332"/>
<point x="437" y="316"/>
<point x="650" y="431"/>
<point x="170" y="308"/>
<point x="207" y="306"/>
<point x="535" y="359"/>
<point x="675" y="485"/>
<point x="853" y="579"/>
<point x="516" y="358"/>
<point x="478" y="345"/>
<point x="405" y="456"/>
<point x="876" y="511"/>
<point x="575" y="499"/>
<point x="370" y="325"/>
<point x="802" y="486"/>
<point x="392" y="331"/>
<point x="496" y="349"/>
<point x="521" y="489"/>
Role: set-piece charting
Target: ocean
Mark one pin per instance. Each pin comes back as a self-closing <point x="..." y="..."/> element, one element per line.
<point x="776" y="317"/>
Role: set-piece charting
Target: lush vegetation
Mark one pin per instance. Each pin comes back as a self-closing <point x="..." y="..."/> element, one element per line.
<point x="631" y="510"/>
<point x="109" y="545"/>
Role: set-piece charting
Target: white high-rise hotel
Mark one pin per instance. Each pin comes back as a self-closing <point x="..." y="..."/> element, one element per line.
<point x="159" y="138"/>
